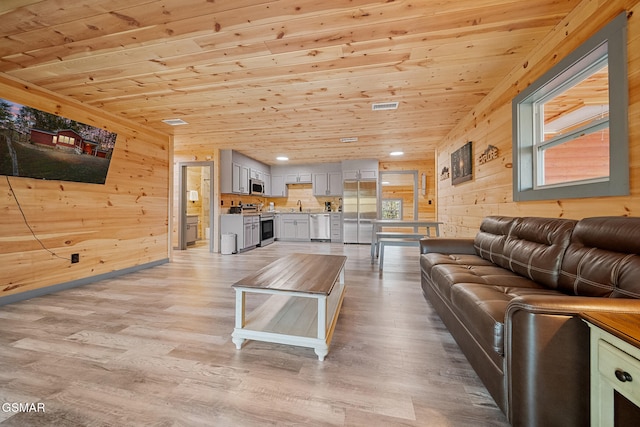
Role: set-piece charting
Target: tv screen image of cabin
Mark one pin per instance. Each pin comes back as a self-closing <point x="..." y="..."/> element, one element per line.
<point x="41" y="145"/>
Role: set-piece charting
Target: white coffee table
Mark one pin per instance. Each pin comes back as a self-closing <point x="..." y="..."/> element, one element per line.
<point x="306" y="295"/>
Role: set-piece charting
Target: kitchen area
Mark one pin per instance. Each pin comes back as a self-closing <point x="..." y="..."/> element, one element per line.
<point x="328" y="202"/>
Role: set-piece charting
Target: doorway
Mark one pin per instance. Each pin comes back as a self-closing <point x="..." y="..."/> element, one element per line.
<point x="398" y="195"/>
<point x="196" y="219"/>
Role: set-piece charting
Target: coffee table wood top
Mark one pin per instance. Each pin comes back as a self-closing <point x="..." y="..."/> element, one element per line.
<point x="309" y="273"/>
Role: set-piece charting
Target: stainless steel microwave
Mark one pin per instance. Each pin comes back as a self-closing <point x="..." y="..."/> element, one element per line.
<point x="257" y="187"/>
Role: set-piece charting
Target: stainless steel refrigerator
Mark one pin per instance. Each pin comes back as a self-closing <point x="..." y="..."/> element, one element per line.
<point x="359" y="207"/>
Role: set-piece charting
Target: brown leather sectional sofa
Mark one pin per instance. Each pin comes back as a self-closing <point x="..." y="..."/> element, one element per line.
<point x="511" y="298"/>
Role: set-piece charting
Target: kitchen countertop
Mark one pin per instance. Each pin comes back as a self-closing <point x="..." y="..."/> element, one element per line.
<point x="304" y="212"/>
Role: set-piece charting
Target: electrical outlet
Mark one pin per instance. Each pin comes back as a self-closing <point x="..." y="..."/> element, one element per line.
<point x="75" y="258"/>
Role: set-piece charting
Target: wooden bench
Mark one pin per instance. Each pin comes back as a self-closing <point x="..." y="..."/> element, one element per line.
<point x="398" y="239"/>
<point x="380" y="238"/>
<point x="393" y="236"/>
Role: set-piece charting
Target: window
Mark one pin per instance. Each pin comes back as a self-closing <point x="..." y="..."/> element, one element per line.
<point x="570" y="126"/>
<point x="392" y="209"/>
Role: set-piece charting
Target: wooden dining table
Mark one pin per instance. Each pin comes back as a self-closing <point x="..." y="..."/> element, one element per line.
<point x="416" y="224"/>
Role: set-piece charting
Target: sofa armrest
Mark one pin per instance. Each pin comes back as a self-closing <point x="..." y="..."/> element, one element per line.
<point x="547" y="357"/>
<point x="571" y="305"/>
<point x="447" y="246"/>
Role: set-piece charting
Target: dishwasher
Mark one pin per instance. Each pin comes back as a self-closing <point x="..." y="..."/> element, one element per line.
<point x="320" y="226"/>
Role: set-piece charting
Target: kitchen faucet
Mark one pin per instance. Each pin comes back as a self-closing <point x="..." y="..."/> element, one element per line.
<point x="299" y="204"/>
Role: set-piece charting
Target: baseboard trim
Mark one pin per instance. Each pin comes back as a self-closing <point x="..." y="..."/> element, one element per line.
<point x="10" y="299"/>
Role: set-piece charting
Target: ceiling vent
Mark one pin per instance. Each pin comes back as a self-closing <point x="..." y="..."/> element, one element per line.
<point x="349" y="139"/>
<point x="384" y="106"/>
<point x="175" y="122"/>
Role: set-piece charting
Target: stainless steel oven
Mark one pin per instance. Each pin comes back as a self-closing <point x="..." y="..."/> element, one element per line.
<point x="267" y="228"/>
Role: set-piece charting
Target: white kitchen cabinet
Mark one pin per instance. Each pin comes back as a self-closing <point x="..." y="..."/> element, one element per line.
<point x="336" y="227"/>
<point x="239" y="179"/>
<point x="266" y="178"/>
<point x="360" y="169"/>
<point x="245" y="227"/>
<point x="368" y="174"/>
<point x="277" y="225"/>
<point x="251" y="230"/>
<point x="278" y="187"/>
<point x="294" y="227"/>
<point x="327" y="184"/>
<point x="298" y="178"/>
<point x="360" y="174"/>
<point x="237" y="169"/>
<point x="255" y="174"/>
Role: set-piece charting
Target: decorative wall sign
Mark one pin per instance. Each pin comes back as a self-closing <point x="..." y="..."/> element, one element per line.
<point x="444" y="174"/>
<point x="491" y="153"/>
<point x="461" y="164"/>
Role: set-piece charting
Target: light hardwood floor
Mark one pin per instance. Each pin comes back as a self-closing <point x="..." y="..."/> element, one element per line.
<point x="154" y="348"/>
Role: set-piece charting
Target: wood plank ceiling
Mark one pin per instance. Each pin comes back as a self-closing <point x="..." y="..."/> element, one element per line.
<point x="288" y="77"/>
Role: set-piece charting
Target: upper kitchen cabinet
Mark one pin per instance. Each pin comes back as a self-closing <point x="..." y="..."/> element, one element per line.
<point x="360" y="169"/>
<point x="239" y="179"/>
<point x="298" y="177"/>
<point x="236" y="171"/>
<point x="278" y="187"/>
<point x="327" y="184"/>
<point x="326" y="178"/>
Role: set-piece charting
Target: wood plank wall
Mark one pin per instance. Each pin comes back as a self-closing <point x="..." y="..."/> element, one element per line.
<point x="118" y="225"/>
<point x="463" y="206"/>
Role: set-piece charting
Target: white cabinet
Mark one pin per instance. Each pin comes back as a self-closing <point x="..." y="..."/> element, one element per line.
<point x="266" y="178"/>
<point x="336" y="227"/>
<point x="239" y="179"/>
<point x="245" y="227"/>
<point x="277" y="225"/>
<point x="251" y="230"/>
<point x="327" y="184"/>
<point x="294" y="227"/>
<point x="360" y="174"/>
<point x="237" y="169"/>
<point x="298" y="178"/>
<point x="368" y="174"/>
<point x="256" y="174"/>
<point x="360" y="169"/>
<point x="192" y="229"/>
<point x="278" y="187"/>
<point x="615" y="368"/>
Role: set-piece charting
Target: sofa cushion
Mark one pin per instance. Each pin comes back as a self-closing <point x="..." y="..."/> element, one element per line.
<point x="602" y="259"/>
<point x="490" y="239"/>
<point x="482" y="309"/>
<point x="477" y="270"/>
<point x="535" y="246"/>
<point x="428" y="261"/>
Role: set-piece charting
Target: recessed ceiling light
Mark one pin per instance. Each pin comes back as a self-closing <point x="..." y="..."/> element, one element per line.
<point x="175" y="122"/>
<point x="282" y="158"/>
<point x="396" y="153"/>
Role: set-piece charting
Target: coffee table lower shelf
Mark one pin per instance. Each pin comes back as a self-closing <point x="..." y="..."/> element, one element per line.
<point x="292" y="318"/>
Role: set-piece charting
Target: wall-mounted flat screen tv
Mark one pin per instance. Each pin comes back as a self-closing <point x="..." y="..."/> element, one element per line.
<point x="37" y="144"/>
